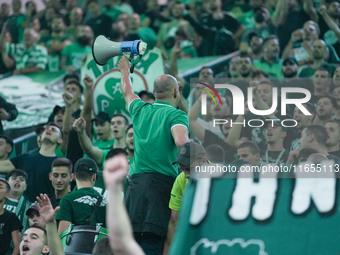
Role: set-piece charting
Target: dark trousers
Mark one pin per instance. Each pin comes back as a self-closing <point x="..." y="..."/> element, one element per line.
<point x="151" y="244"/>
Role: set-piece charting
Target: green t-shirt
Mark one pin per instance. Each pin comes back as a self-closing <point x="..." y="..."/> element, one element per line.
<point x="273" y="70"/>
<point x="77" y="207"/>
<point x="19" y="207"/>
<point x="104" y="144"/>
<point x="74" y="54"/>
<point x="177" y="192"/>
<point x="155" y="148"/>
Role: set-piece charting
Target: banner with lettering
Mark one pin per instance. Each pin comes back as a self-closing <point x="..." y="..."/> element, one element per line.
<point x="267" y="217"/>
<point x="107" y="93"/>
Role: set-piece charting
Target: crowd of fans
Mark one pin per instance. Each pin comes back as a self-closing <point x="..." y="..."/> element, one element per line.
<point x="282" y="44"/>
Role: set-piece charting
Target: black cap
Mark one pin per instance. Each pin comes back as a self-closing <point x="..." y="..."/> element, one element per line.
<point x="87" y="165"/>
<point x="55" y="111"/>
<point x="102" y="117"/>
<point x="33" y="208"/>
<point x="291" y="60"/>
<point x="189" y="152"/>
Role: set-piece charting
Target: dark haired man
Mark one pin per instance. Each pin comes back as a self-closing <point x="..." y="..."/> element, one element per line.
<point x="37" y="240"/>
<point x="10" y="225"/>
<point x="6" y="148"/>
<point x="118" y="127"/>
<point x="85" y="205"/>
<point x="270" y="62"/>
<point x="38" y="165"/>
<point x="102" y="128"/>
<point x="60" y="177"/>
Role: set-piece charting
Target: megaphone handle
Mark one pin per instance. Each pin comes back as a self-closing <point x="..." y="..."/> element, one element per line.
<point x="132" y="68"/>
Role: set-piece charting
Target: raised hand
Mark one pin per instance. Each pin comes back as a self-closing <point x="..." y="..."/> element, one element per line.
<point x="79" y="125"/>
<point x="88" y="81"/>
<point x="68" y="98"/>
<point x="115" y="170"/>
<point x="45" y="208"/>
<point x="123" y="64"/>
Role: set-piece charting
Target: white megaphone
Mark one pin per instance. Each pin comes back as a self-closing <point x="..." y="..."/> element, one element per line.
<point x="103" y="49"/>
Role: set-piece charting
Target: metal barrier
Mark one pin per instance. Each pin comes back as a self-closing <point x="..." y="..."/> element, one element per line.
<point x="25" y="144"/>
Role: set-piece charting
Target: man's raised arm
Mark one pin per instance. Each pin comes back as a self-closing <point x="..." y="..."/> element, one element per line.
<point x="125" y="84"/>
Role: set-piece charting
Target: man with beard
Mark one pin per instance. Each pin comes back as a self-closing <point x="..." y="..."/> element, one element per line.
<point x="319" y="50"/>
<point x="333" y="140"/>
<point x="26" y="57"/>
<point x="325" y="109"/>
<point x="55" y="43"/>
<point x="73" y="54"/>
<point x="270" y="62"/>
<point x="38" y="165"/>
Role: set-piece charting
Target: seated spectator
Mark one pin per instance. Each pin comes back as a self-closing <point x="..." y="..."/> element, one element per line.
<point x="336" y="77"/>
<point x="9" y="222"/>
<point x="8" y="112"/>
<point x="73" y="54"/>
<point x="17" y="202"/>
<point x="84" y="206"/>
<point x="55" y="42"/>
<point x="27" y="57"/>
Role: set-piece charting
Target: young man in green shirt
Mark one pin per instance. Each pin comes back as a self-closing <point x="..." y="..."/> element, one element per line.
<point x="77" y="207"/>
